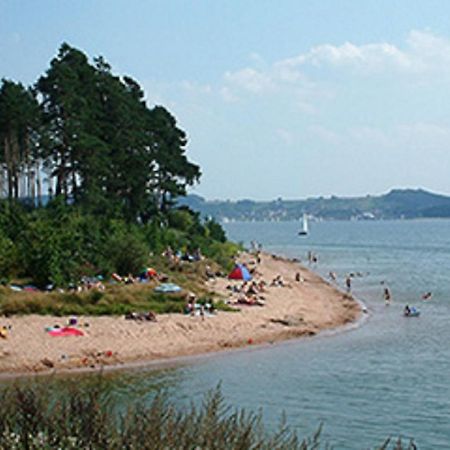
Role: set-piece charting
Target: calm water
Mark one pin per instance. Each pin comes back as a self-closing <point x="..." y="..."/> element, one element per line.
<point x="388" y="377"/>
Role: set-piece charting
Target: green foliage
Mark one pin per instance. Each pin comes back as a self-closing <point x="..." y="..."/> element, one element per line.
<point x="32" y="418"/>
<point x="223" y="253"/>
<point x="8" y="258"/>
<point x="181" y="219"/>
<point x="61" y="243"/>
<point x="115" y="300"/>
<point x="19" y="124"/>
<point x="126" y="250"/>
<point x="36" y="416"/>
<point x="222" y="306"/>
<point x="114" y="168"/>
<point x="215" y="231"/>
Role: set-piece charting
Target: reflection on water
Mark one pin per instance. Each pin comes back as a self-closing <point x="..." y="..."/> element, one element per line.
<point x="388" y="377"/>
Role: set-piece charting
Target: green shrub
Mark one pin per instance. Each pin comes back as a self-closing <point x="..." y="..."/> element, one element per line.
<point x="8" y="258"/>
<point x="85" y="416"/>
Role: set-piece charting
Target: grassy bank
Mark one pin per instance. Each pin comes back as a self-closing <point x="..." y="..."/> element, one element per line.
<point x="118" y="299"/>
<point x="34" y="417"/>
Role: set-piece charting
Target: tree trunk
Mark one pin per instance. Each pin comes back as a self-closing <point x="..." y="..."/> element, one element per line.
<point x="38" y="183"/>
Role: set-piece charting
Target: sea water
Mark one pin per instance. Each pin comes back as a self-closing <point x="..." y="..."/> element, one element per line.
<point x="388" y="377"/>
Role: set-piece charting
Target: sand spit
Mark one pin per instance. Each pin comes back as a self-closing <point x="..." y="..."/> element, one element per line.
<point x="294" y="310"/>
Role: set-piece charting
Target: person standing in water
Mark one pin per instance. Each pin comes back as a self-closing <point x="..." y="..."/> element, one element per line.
<point x="348" y="283"/>
<point x="387" y="296"/>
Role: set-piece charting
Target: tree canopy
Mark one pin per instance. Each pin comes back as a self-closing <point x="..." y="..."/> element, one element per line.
<point x="109" y="167"/>
<point x="94" y="139"/>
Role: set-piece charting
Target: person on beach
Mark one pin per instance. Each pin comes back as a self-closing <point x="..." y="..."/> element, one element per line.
<point x="202" y="312"/>
<point x="332" y="276"/>
<point x="253" y="289"/>
<point x="298" y="277"/>
<point x="387" y="296"/>
<point x="348" y="283"/>
<point x="277" y="281"/>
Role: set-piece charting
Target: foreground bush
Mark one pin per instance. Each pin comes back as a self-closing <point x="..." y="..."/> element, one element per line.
<point x="35" y="417"/>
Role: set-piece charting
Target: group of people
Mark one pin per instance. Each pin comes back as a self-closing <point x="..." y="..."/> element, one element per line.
<point x="193" y="308"/>
<point x="149" y="316"/>
<point x="278" y="281"/>
<point x="87" y="284"/>
<point x="249" y="293"/>
<point x="177" y="256"/>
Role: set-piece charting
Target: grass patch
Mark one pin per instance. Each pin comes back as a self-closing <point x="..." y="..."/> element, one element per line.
<point x="222" y="306"/>
<point x="115" y="300"/>
<point x="118" y="299"/>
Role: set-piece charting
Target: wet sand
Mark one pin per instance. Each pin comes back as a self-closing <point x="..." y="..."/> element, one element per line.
<point x="294" y="310"/>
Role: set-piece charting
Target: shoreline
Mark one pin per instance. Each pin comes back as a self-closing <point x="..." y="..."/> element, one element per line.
<point x="296" y="310"/>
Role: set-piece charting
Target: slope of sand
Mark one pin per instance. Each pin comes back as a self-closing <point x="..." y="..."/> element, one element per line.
<point x="300" y="309"/>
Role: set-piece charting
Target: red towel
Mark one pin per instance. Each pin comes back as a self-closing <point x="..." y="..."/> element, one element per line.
<point x="66" y="331"/>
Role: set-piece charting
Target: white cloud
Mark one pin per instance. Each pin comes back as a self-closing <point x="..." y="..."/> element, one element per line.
<point x="367" y="57"/>
<point x="429" y="51"/>
<point x="251" y="80"/>
<point x="421" y="53"/>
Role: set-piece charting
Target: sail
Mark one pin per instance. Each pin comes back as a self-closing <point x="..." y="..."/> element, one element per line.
<point x="304" y="229"/>
<point x="305" y="224"/>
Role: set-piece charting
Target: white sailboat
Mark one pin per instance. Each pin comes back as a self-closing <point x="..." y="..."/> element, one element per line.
<point x="304" y="229"/>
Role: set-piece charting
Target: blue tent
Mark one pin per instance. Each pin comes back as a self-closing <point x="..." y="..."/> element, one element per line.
<point x="240" y="272"/>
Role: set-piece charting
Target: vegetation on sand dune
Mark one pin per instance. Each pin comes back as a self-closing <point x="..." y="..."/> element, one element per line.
<point x="33" y="417"/>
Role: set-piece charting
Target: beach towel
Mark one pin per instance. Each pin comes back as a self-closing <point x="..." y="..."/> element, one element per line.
<point x="66" y="331"/>
<point x="167" y="288"/>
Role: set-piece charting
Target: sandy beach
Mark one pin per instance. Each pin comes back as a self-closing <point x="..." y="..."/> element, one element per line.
<point x="296" y="309"/>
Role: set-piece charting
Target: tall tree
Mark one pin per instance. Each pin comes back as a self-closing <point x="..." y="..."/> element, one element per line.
<point x="19" y="123"/>
<point x="173" y="172"/>
<point x="122" y="129"/>
<point x="67" y="90"/>
<point x="100" y="144"/>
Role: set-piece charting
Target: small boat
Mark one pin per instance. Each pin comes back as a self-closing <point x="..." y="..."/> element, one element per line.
<point x="304" y="229"/>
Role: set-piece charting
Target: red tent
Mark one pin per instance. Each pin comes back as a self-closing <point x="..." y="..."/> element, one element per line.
<point x="240" y="272"/>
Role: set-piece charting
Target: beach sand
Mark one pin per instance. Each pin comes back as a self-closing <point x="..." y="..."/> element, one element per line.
<point x="298" y="309"/>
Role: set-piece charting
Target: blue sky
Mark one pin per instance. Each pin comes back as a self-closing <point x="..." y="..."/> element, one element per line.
<point x="280" y="99"/>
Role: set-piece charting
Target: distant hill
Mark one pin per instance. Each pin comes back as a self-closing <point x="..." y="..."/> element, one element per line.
<point x="397" y="204"/>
